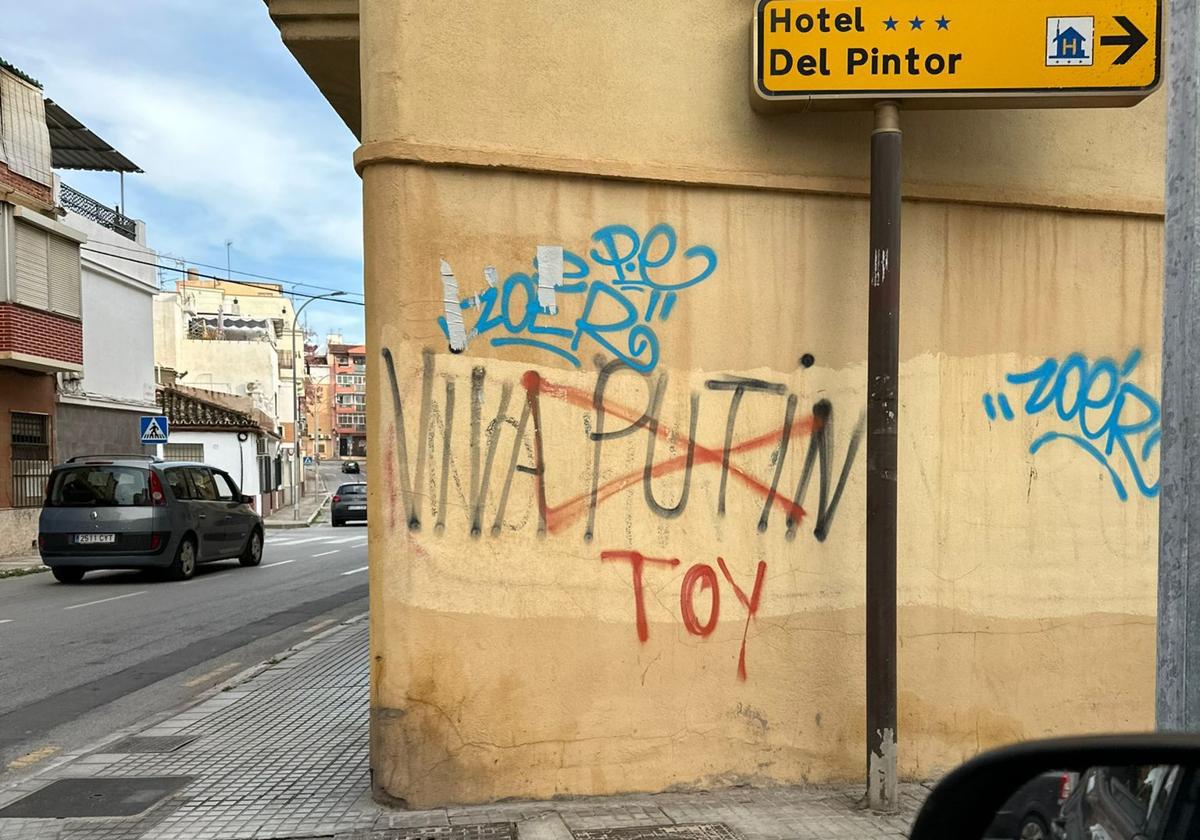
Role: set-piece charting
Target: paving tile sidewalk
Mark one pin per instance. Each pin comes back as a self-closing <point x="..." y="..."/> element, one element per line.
<point x="283" y="753"/>
<point x="310" y="508"/>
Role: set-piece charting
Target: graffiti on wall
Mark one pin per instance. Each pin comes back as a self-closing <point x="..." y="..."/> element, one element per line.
<point x="495" y="472"/>
<point x="628" y="282"/>
<point x="1098" y="410"/>
<point x="700" y="578"/>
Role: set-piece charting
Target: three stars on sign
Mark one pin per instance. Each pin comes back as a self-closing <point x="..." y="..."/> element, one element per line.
<point x="916" y="23"/>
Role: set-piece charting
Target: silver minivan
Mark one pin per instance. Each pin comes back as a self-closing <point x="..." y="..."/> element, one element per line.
<point x="135" y="512"/>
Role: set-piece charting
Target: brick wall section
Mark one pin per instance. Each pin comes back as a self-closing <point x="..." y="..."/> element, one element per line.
<point x="25" y="185"/>
<point x="38" y="333"/>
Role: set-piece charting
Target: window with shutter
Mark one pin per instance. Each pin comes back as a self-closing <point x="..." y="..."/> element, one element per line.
<point x="63" y="275"/>
<point x="31" y="288"/>
<point x="47" y="271"/>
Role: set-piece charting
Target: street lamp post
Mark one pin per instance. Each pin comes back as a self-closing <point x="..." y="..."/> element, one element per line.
<point x="296" y="464"/>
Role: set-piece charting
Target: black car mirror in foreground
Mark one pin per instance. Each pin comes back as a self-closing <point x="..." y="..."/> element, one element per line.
<point x="1113" y="787"/>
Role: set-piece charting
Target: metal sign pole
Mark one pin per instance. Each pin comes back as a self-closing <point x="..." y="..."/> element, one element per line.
<point x="1178" y="706"/>
<point x="883" y="368"/>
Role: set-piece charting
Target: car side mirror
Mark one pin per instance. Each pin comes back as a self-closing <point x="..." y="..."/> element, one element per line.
<point x="1152" y="779"/>
<point x="247" y="500"/>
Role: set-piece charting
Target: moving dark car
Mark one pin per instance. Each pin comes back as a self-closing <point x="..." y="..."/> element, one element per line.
<point x="136" y="512"/>
<point x="350" y="467"/>
<point x="349" y="504"/>
<point x="1030" y="813"/>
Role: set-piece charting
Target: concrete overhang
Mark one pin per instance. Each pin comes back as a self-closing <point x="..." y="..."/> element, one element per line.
<point x="37" y="363"/>
<point x="323" y="36"/>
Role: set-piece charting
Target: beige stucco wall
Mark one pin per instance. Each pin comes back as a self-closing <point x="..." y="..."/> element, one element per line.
<point x="18" y="531"/>
<point x="509" y="662"/>
<point x="242" y="368"/>
<point x="663" y="90"/>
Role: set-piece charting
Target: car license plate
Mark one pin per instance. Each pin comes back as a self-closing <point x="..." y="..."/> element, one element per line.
<point x="358" y="507"/>
<point x="95" y="539"/>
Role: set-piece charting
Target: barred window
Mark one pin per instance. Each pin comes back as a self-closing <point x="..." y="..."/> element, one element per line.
<point x="30" y="458"/>
<point x="184" y="452"/>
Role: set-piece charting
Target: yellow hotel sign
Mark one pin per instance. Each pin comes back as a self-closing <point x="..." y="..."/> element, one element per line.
<point x="956" y="53"/>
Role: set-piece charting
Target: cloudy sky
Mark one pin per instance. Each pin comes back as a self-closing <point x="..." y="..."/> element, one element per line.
<point x="235" y="141"/>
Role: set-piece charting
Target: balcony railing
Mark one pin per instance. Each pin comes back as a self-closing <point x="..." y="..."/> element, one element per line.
<point x="101" y="214"/>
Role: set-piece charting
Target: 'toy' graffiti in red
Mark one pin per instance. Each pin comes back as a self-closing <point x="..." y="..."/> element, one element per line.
<point x="700" y="577"/>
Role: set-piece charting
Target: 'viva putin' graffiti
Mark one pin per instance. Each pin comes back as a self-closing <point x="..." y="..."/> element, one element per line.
<point x="1110" y="418"/>
<point x="628" y="282"/>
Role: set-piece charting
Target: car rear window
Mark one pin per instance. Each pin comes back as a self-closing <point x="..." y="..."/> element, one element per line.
<point x="99" y="486"/>
<point x="352" y="490"/>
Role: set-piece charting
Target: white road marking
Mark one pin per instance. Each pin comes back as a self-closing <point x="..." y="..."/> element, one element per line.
<point x="105" y="600"/>
<point x="215" y="672"/>
<point x="301" y="542"/>
<point x="343" y="540"/>
<point x="327" y="553"/>
<point x="355" y="571"/>
<point x="320" y="625"/>
<point x="6" y="621"/>
<point x="280" y="563"/>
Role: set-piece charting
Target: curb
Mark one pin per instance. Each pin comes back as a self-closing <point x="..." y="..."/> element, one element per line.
<point x="287" y="525"/>
<point x="14" y="571"/>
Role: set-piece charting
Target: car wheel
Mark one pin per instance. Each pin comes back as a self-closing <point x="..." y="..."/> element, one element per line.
<point x="337" y="523"/>
<point x="1033" y="827"/>
<point x="252" y="553"/>
<point x="184" y="564"/>
<point x="66" y="574"/>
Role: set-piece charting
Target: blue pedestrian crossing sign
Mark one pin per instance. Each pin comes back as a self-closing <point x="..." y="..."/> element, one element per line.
<point x="155" y="429"/>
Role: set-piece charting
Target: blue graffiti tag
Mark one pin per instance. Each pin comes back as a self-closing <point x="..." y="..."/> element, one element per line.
<point x="1111" y="419"/>
<point x="627" y="283"/>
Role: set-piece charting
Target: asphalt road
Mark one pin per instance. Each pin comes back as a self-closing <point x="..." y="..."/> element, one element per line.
<point x="121" y="648"/>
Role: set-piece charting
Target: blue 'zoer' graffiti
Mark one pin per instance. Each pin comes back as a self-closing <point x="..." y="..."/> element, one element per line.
<point x="627" y="283"/>
<point x="1111" y="419"/>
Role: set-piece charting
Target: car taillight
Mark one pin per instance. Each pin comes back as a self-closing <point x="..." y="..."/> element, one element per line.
<point x="157" y="497"/>
<point x="337" y="498"/>
<point x="1064" y="787"/>
<point x="41" y="540"/>
<point x="155" y="542"/>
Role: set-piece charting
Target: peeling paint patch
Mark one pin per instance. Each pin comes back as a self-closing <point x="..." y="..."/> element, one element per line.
<point x="550" y="276"/>
<point x="881" y="774"/>
<point x="32" y="758"/>
<point x="452" y="310"/>
<point x="879" y="266"/>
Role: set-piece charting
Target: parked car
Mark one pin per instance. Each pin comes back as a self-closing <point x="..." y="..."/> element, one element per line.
<point x="1031" y="812"/>
<point x="135" y="512"/>
<point x="350" y="467"/>
<point x="349" y="504"/>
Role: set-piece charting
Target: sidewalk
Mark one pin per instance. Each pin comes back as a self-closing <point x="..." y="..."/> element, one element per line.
<point x="310" y="508"/>
<point x="283" y="753"/>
